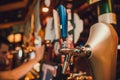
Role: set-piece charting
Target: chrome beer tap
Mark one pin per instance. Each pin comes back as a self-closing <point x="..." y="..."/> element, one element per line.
<point x="63" y="25"/>
<point x="84" y="51"/>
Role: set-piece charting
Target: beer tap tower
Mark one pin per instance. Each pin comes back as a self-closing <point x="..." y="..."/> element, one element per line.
<point x="101" y="46"/>
<point x="63" y="25"/>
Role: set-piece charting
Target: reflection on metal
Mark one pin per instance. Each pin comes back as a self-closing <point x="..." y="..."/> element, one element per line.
<point x="103" y="40"/>
<point x="78" y="51"/>
<point x="101" y="49"/>
<point x="79" y="76"/>
<point x="108" y="18"/>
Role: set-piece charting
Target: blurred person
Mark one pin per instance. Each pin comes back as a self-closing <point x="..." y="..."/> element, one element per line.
<point x="18" y="72"/>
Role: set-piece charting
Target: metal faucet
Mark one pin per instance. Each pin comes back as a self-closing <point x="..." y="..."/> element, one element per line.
<point x="79" y="51"/>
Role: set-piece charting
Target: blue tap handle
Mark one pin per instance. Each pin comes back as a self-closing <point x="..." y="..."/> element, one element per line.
<point x="63" y="20"/>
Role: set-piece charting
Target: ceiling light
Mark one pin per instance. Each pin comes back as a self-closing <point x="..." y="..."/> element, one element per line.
<point x="45" y="9"/>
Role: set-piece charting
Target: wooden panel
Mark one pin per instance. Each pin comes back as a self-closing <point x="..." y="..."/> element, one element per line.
<point x="14" y="5"/>
<point x="12" y="16"/>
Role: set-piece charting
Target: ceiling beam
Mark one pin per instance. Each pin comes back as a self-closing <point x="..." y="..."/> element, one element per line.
<point x="28" y="15"/>
<point x="13" y="6"/>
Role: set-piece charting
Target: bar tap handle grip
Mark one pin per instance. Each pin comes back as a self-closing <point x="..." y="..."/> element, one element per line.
<point x="66" y="63"/>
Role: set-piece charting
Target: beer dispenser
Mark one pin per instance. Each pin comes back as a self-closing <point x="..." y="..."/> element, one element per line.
<point x="101" y="46"/>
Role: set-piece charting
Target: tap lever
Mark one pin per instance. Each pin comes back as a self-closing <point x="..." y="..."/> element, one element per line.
<point x="85" y="50"/>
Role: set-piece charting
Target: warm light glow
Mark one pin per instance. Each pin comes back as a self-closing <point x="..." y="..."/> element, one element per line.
<point x="11" y="38"/>
<point x="18" y="37"/>
<point x="45" y="9"/>
<point x="20" y="53"/>
<point x="14" y="38"/>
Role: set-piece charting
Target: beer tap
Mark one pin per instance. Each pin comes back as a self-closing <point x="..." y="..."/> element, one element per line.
<point x="63" y="25"/>
<point x="81" y="51"/>
<point x="69" y="52"/>
<point x="78" y="51"/>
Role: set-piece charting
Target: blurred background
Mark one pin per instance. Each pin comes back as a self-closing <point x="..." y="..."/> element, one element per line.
<point x="16" y="19"/>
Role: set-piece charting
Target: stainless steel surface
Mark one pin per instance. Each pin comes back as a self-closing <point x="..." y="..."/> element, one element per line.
<point x="103" y="40"/>
<point x="78" y="51"/>
<point x="66" y="62"/>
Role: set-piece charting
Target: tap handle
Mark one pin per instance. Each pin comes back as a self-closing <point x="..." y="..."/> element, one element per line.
<point x="66" y="62"/>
